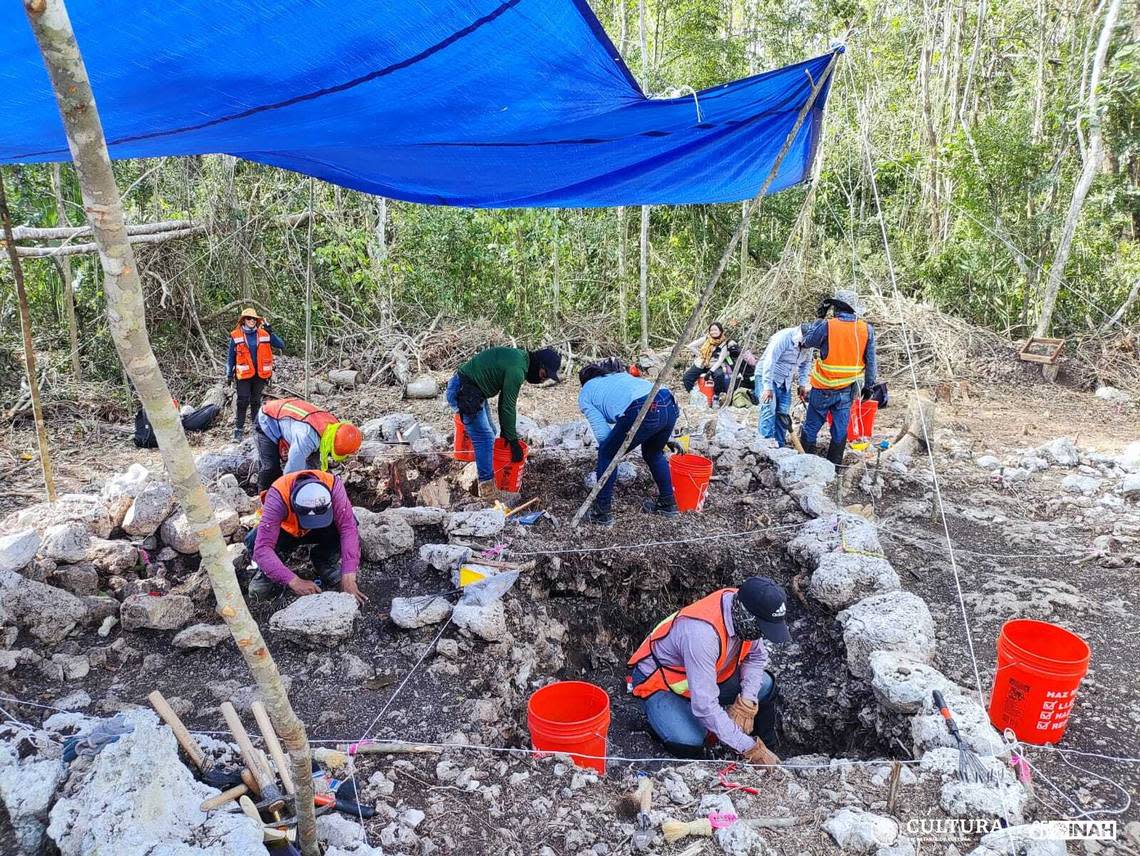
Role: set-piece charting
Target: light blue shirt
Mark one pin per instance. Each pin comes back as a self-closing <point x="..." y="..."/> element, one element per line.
<point x="604" y="399"/>
<point x="302" y="439"/>
<point x="784" y="358"/>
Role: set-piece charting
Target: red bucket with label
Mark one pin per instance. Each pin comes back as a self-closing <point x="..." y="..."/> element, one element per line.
<point x="1039" y="670"/>
<point x="463" y="450"/>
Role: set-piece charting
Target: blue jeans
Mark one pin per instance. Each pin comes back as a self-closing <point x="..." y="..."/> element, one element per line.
<point x="770" y="424"/>
<point x="480" y="428"/>
<point x="819" y="404"/>
<point x="671" y="716"/>
<point x="654" y="433"/>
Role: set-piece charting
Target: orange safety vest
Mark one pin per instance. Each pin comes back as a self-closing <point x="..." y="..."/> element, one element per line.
<point x="843" y="366"/>
<point x="708" y="609"/>
<point x="284" y="488"/>
<point x="302" y="411"/>
<point x="244" y="367"/>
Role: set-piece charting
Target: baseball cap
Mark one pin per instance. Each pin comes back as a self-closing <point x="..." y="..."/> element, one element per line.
<point x="312" y="503"/>
<point x="769" y="604"/>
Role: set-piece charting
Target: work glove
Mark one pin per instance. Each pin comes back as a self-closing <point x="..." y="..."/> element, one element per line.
<point x="516" y="450"/>
<point x="743" y="713"/>
<point x="761" y="754"/>
<point x="675" y="447"/>
<point x="866" y="393"/>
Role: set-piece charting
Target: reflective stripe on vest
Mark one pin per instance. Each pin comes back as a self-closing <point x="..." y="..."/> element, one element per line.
<point x="843" y="366"/>
<point x="302" y="411"/>
<point x="284" y="488"/>
<point x="243" y="360"/>
<point x="708" y="609"/>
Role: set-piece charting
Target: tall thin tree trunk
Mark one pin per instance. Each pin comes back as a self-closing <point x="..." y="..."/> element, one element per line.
<point x="744" y="244"/>
<point x="126" y="317"/>
<point x="1039" y="82"/>
<point x="29" y="346"/>
<point x="1094" y="153"/>
<point x="623" y="275"/>
<point x="65" y="275"/>
<point x="309" y="291"/>
<point x="643" y="287"/>
<point x="554" y="258"/>
<point x="381" y="228"/>
<point x="623" y="24"/>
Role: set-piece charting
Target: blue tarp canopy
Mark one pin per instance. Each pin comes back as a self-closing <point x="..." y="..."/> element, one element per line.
<point x="482" y="103"/>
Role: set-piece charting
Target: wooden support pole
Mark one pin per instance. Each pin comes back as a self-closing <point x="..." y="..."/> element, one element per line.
<point x="29" y="347"/>
<point x="695" y="316"/>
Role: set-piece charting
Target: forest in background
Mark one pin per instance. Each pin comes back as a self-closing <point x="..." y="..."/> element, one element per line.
<point x="975" y="117"/>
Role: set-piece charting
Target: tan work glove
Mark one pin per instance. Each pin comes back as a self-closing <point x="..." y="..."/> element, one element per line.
<point x="743" y="713"/>
<point x="761" y="754"/>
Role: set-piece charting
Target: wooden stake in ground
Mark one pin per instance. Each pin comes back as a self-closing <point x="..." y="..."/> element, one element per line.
<point x="126" y="319"/>
<point x="29" y="348"/>
<point x="690" y="327"/>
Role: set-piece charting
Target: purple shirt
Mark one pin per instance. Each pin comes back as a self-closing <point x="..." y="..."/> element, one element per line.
<point x="695" y="645"/>
<point x="273" y="514"/>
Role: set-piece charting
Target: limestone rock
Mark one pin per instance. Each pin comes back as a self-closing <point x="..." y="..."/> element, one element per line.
<point x="1129" y="458"/>
<point x="903" y="684"/>
<point x="336" y="830"/>
<point x="419" y="515"/>
<point x="626" y="474"/>
<point x="81" y="579"/>
<point x="136" y="797"/>
<point x="1002" y="794"/>
<point x="18" y="549"/>
<point x="389" y="427"/>
<point x="112" y="556"/>
<point x="383" y="535"/>
<point x="445" y="557"/>
<point x="66" y="542"/>
<point x="317" y="620"/>
<point x="488" y="622"/>
<point x="1130" y="486"/>
<point x="1111" y="393"/>
<point x="1022" y="840"/>
<point x="567" y="435"/>
<point x="423" y="386"/>
<point x="988" y="462"/>
<point x="859" y="831"/>
<point x="144" y="612"/>
<point x="27" y="788"/>
<point x="841" y="579"/>
<point x="739" y="839"/>
<point x="44" y="611"/>
<point x="893" y="621"/>
<point x="413" y="612"/>
<point x="201" y="636"/>
<point x="239" y="460"/>
<point x="812" y="500"/>
<point x="1086" y="485"/>
<point x="824" y="535"/>
<point x="1062" y="452"/>
<point x="120" y="491"/>
<point x="796" y="469"/>
<point x="83" y="508"/>
<point x="177" y="531"/>
<point x="151" y="506"/>
<point x="232" y="495"/>
<point x="483" y="523"/>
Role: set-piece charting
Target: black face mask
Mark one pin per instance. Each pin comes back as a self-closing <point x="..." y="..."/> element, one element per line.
<point x="746" y="625"/>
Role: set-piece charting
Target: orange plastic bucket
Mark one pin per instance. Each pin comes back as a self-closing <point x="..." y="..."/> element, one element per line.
<point x="1039" y="669"/>
<point x="706" y="387"/>
<point x="862" y="421"/>
<point x="571" y="717"/>
<point x="508" y="474"/>
<point x="463" y="449"/>
<point x="690" y="475"/>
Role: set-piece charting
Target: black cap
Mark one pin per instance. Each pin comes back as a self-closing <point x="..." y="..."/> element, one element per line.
<point x="551" y="360"/>
<point x="769" y="604"/>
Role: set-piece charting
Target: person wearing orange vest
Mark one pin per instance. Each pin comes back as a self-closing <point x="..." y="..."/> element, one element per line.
<point x="701" y="671"/>
<point x="307" y="507"/>
<point x="307" y="435"/>
<point x="845" y="367"/>
<point x="250" y="363"/>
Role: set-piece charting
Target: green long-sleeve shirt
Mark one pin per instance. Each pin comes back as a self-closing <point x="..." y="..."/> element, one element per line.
<point x="501" y="372"/>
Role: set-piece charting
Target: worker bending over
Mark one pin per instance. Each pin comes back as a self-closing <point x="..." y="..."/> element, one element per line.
<point x="304" y="434"/>
<point x="307" y="507"/>
<point x="501" y="372"/>
<point x="783" y="372"/>
<point x="610" y="400"/>
<point x="701" y="671"/>
<point x="250" y="361"/>
<point x="845" y="367"/>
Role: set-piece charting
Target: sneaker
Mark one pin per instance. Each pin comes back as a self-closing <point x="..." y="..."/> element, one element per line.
<point x="656" y="506"/>
<point x="600" y="518"/>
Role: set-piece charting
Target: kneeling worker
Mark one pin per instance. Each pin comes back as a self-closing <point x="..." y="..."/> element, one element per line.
<point x="702" y="670"/>
<point x="306" y="507"/>
<point x="303" y="432"/>
<point x="610" y="400"/>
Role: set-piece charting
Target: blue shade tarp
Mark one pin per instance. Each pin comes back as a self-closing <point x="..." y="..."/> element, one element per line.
<point x="480" y="103"/>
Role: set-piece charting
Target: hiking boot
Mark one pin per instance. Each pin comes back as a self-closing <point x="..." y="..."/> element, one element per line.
<point x="656" y="506"/>
<point x="600" y="517"/>
<point x="489" y="491"/>
<point x="239" y="435"/>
